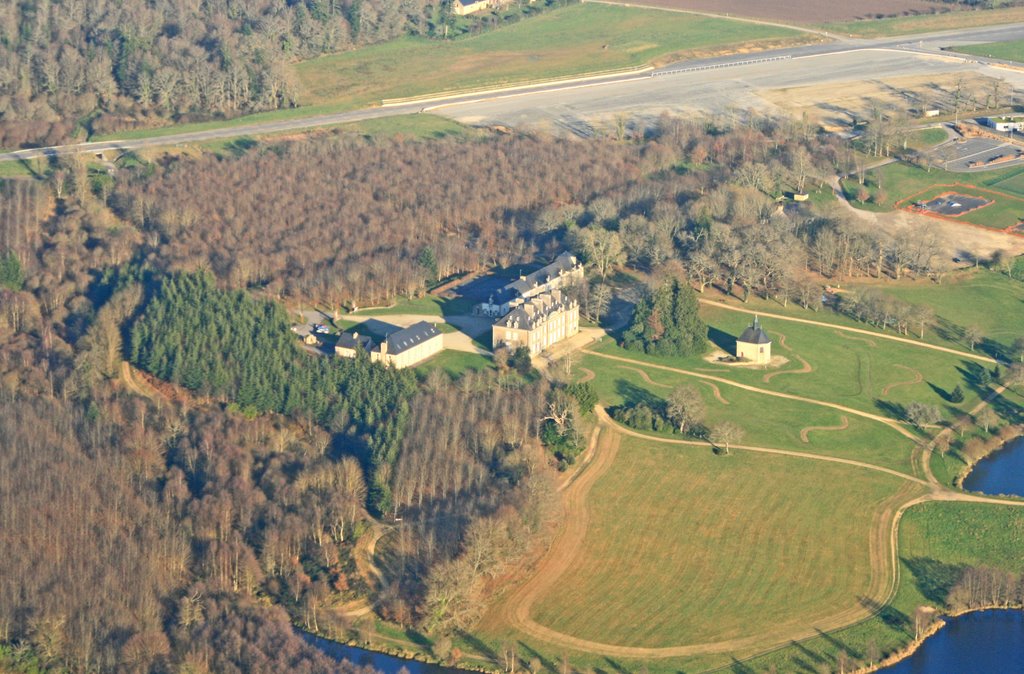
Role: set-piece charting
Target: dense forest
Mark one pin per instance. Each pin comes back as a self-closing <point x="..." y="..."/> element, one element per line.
<point x="223" y="495"/>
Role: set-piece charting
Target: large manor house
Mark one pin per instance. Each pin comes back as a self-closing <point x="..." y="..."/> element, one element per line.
<point x="535" y="311"/>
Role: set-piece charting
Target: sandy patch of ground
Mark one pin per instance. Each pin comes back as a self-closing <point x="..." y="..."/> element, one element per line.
<point x="716" y="357"/>
<point x="834" y="105"/>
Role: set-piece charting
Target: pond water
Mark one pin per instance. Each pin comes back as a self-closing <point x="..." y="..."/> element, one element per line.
<point x="1001" y="472"/>
<point x="986" y="642"/>
<point x="382" y="662"/>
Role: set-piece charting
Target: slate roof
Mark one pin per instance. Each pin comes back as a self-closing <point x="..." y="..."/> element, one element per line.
<point x="349" y="340"/>
<point x="754" y="334"/>
<point x="528" y="315"/>
<point x="414" y="335"/>
<point x="564" y="262"/>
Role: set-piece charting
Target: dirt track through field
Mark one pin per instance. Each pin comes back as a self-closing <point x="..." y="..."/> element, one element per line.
<point x="806" y="368"/>
<point x="843" y="425"/>
<point x="869" y="342"/>
<point x="643" y="375"/>
<point x="588" y="375"/>
<point x="716" y="391"/>
<point x="883" y="546"/>
<point x="843" y="328"/>
<point x="918" y="378"/>
<point x="895" y="425"/>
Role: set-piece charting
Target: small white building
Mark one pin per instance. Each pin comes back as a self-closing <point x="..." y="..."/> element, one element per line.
<point x="754" y="345"/>
<point x="1003" y="123"/>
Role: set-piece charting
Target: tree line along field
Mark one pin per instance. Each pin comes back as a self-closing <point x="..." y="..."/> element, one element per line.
<point x="961" y="301"/>
<point x="571" y="41"/>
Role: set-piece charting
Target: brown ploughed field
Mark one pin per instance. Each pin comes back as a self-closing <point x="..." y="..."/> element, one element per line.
<point x="803" y="11"/>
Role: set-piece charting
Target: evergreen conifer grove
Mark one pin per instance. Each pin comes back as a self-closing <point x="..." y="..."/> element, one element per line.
<point x="666" y="323"/>
<point x="227" y="344"/>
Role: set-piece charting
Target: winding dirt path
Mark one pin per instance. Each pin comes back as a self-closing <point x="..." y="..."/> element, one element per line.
<point x="715" y="391"/>
<point x="883" y="547"/>
<point x="843" y="425"/>
<point x="137" y="385"/>
<point x="588" y="375"/>
<point x="515" y="611"/>
<point x="365" y="549"/>
<point x="877" y="335"/>
<point x="869" y="342"/>
<point x="643" y="375"/>
<point x="806" y="368"/>
<point x="895" y="425"/>
<point x="918" y="378"/>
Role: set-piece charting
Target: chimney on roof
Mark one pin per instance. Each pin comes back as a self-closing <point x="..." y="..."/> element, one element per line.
<point x="355" y="336"/>
<point x="384" y="347"/>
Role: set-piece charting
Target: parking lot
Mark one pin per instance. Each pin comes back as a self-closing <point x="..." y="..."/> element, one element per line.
<point x="977" y="154"/>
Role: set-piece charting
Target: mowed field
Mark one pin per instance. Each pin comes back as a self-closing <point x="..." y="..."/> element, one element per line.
<point x="1011" y="50"/>
<point x="800" y="11"/>
<point x="571" y="41"/>
<point x="684" y="547"/>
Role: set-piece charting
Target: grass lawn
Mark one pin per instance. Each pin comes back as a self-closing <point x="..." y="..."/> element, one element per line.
<point x="428" y="305"/>
<point x="1012" y="50"/>
<point x="15" y="169"/>
<point x="925" y="23"/>
<point x="847" y="370"/>
<point x="925" y="138"/>
<point x="769" y="422"/>
<point x="455" y="363"/>
<point x="423" y="126"/>
<point x="746" y="544"/>
<point x="571" y="41"/>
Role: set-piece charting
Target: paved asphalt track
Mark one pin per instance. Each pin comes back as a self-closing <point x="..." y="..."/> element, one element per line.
<point x="710" y="85"/>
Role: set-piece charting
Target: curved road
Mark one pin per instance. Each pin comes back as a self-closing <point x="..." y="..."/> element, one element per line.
<point x="637" y="89"/>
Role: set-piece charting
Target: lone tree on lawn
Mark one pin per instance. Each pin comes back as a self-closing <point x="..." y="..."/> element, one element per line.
<point x="923" y="414"/>
<point x="973" y="335"/>
<point x="667" y="323"/>
<point x="686" y="407"/>
<point x="725" y="434"/>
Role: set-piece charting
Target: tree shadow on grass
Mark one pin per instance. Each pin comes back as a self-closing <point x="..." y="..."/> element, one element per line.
<point x="722" y="340"/>
<point x="891" y="409"/>
<point x="478" y="646"/>
<point x="892" y="617"/>
<point x="934" y="579"/>
<point x="839" y="645"/>
<point x="633" y="395"/>
<point x="531" y="654"/>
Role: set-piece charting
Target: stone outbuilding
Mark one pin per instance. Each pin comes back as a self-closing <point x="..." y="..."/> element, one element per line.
<point x="754" y="345"/>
